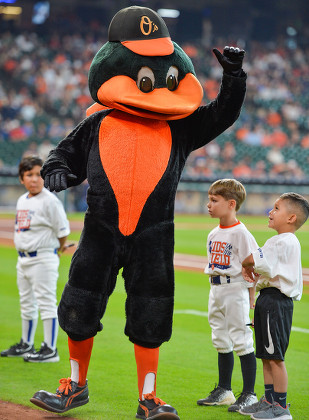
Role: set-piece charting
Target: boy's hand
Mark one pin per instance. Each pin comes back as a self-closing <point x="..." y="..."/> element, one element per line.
<point x="231" y="60"/>
<point x="58" y="180"/>
<point x="63" y="248"/>
<point x="251" y="323"/>
<point x="249" y="275"/>
<point x="69" y="246"/>
<point x="252" y="301"/>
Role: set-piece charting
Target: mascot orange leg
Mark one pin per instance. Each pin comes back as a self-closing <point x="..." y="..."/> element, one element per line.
<point x="80" y="353"/>
<point x="147" y="365"/>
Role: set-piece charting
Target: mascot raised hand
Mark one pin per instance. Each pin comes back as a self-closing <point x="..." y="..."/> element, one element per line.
<point x="132" y="148"/>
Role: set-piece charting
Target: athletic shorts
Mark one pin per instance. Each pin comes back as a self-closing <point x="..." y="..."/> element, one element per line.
<point x="272" y="323"/>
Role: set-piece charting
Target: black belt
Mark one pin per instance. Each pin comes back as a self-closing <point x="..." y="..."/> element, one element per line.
<point x="31" y="254"/>
<point x="217" y="279"/>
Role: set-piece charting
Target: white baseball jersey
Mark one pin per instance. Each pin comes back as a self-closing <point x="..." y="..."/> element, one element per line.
<point x="40" y="221"/>
<point x="227" y="247"/>
<point x="228" y="303"/>
<point x="279" y="264"/>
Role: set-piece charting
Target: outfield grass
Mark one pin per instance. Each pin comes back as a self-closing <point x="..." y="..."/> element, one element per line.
<point x="188" y="363"/>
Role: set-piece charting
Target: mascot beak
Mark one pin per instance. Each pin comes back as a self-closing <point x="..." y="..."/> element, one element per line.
<point x="121" y="92"/>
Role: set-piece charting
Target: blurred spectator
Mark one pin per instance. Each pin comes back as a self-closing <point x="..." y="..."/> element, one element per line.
<point x="79" y="196"/>
<point x="243" y="169"/>
<point x="228" y="152"/>
<point x="259" y="171"/>
<point x="305" y="142"/>
<point x="242" y="132"/>
<point x="213" y="150"/>
<point x="275" y="138"/>
<point x="56" y="129"/>
<point x="254" y="136"/>
<point x="293" y="170"/>
<point x="32" y="150"/>
<point x="44" y="148"/>
<point x="275" y="156"/>
<point x="227" y="157"/>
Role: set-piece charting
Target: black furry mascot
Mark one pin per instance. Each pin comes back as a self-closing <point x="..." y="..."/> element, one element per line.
<point x="132" y="148"/>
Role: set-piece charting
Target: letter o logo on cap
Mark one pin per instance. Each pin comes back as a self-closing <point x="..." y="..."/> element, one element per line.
<point x="145" y="21"/>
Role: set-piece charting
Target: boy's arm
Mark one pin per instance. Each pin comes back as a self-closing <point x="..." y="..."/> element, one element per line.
<point x="248" y="269"/>
<point x="62" y="244"/>
<point x="252" y="296"/>
<point x="248" y="262"/>
<point x="266" y="258"/>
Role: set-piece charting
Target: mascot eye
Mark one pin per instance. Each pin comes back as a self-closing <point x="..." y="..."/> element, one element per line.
<point x="145" y="80"/>
<point x="172" y="78"/>
<point x="172" y="82"/>
<point x="146" y="85"/>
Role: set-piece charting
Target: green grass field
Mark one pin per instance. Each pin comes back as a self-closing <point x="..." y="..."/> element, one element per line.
<point x="188" y="363"/>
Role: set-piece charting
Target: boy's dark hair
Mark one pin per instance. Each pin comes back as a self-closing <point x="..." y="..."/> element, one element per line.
<point x="298" y="205"/>
<point x="229" y="189"/>
<point x="27" y="163"/>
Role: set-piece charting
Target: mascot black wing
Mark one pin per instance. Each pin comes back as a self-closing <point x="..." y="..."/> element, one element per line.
<point x="132" y="148"/>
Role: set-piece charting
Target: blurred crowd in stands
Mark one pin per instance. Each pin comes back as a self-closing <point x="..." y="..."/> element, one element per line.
<point x="44" y="94"/>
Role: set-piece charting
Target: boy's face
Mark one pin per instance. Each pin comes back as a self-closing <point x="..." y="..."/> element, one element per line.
<point x="32" y="181"/>
<point x="279" y="216"/>
<point x="218" y="206"/>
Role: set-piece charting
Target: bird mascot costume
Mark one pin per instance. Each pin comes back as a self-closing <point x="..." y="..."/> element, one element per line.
<point x="132" y="147"/>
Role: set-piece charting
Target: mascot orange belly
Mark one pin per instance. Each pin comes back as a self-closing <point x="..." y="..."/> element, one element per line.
<point x="134" y="153"/>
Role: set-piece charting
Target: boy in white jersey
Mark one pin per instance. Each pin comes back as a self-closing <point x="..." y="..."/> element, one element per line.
<point x="229" y="298"/>
<point x="278" y="264"/>
<point x="41" y="229"/>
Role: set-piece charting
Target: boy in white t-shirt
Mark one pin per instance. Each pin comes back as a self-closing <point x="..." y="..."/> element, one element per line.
<point x="278" y="264"/>
<point x="41" y="229"/>
<point x="230" y="298"/>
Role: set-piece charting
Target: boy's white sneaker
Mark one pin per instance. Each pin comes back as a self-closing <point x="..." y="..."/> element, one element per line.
<point x="245" y="399"/>
<point x="218" y="396"/>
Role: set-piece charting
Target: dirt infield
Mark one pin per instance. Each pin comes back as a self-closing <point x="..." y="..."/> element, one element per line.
<point x="10" y="411"/>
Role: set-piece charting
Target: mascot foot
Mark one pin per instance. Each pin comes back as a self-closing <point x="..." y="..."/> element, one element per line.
<point x="69" y="395"/>
<point x="154" y="408"/>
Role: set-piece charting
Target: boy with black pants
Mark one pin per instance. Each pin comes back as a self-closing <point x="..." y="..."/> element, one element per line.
<point x="278" y="264"/>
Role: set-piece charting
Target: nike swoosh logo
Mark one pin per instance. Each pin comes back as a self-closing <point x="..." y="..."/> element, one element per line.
<point x="270" y="349"/>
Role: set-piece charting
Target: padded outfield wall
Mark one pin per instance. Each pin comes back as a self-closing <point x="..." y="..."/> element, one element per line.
<point x="191" y="196"/>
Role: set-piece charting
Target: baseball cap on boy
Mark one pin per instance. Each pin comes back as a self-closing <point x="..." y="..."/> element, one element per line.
<point x="142" y="31"/>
